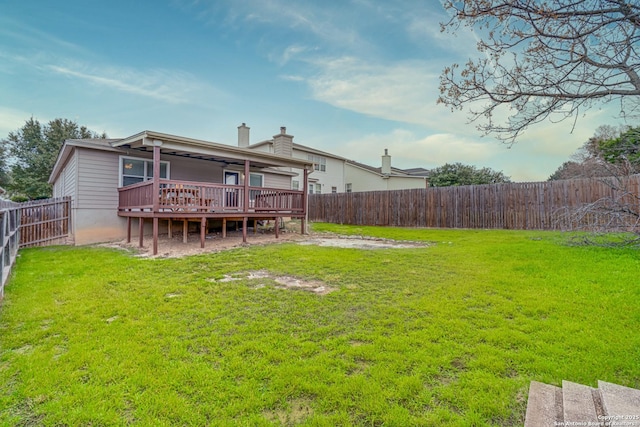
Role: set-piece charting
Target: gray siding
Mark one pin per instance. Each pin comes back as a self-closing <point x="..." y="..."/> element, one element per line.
<point x="277" y="181"/>
<point x="70" y="174"/>
<point x="97" y="179"/>
<point x="65" y="183"/>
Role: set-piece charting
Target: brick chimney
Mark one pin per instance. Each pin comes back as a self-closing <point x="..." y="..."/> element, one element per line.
<point x="386" y="163"/>
<point x="283" y="143"/>
<point x="243" y="135"/>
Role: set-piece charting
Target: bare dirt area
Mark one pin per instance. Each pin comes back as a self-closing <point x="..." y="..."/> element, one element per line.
<point x="175" y="247"/>
<point x="214" y="242"/>
<point x="261" y="278"/>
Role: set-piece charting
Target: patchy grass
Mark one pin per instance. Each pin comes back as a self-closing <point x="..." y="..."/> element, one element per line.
<point x="448" y="334"/>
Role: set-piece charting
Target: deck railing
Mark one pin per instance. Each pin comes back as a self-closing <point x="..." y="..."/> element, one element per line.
<point x="200" y="197"/>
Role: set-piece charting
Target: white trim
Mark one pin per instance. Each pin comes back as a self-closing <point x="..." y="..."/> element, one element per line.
<point x="146" y="161"/>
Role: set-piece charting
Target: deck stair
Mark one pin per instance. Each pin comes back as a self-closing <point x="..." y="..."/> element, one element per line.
<point x="580" y="405"/>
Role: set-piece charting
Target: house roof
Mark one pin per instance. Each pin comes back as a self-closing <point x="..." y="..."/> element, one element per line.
<point x="300" y="147"/>
<point x="183" y="146"/>
<point x="70" y="144"/>
<point x="179" y="146"/>
<point x="395" y="172"/>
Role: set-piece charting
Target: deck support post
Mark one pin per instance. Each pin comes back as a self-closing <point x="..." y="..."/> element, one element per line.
<point x="169" y="231"/>
<point x="155" y="236"/>
<point x="277" y="226"/>
<point x="128" y="229"/>
<point x="185" y="230"/>
<point x="203" y="230"/>
<point x="224" y="228"/>
<point x="244" y="229"/>
<point x="141" y="231"/>
<point x="305" y="203"/>
<point x="255" y="226"/>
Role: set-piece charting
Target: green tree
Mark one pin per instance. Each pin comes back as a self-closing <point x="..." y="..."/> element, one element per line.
<point x="546" y="59"/>
<point x="5" y="177"/>
<point x="33" y="150"/>
<point x="461" y="174"/>
<point x="623" y="151"/>
<point x="611" y="151"/>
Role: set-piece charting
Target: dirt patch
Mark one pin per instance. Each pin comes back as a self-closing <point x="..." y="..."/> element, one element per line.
<point x="176" y="248"/>
<point x="298" y="410"/>
<point x="360" y="242"/>
<point x="214" y="242"/>
<point x="261" y="278"/>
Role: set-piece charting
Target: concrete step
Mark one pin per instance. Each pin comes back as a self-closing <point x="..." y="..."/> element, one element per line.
<point x="620" y="401"/>
<point x="576" y="404"/>
<point x="544" y="406"/>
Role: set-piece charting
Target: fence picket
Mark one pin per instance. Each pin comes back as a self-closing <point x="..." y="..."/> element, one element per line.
<point x="524" y="206"/>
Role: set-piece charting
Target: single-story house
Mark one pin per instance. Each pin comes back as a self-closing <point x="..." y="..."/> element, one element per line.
<point x="158" y="179"/>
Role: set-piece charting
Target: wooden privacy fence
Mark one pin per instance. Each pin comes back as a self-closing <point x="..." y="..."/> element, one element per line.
<point x="44" y="222"/>
<point x="525" y="206"/>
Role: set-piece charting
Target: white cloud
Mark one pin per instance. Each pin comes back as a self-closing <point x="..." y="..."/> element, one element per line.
<point x="28" y="37"/>
<point x="400" y="91"/>
<point x="535" y="158"/>
<point x="290" y="52"/>
<point x="171" y="86"/>
<point x="410" y="150"/>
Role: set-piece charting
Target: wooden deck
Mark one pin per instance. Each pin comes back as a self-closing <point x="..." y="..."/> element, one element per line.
<point x="185" y="201"/>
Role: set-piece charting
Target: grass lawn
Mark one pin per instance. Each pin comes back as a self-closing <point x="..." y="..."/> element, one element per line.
<point x="449" y="334"/>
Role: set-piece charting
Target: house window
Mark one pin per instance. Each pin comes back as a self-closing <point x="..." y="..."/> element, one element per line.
<point x="347" y="187"/>
<point x="334" y="189"/>
<point x="319" y="162"/>
<point x="256" y="180"/>
<point x="295" y="185"/>
<point x="318" y="188"/>
<point x="133" y="170"/>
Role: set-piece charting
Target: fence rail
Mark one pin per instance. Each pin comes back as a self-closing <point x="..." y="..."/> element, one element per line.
<point x="524" y="206"/>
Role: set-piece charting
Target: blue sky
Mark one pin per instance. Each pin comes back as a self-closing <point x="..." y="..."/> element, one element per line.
<point x="351" y="77"/>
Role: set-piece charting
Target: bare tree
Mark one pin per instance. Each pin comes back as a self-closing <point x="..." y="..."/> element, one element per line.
<point x="544" y="59"/>
<point x="589" y="160"/>
<point x="617" y="211"/>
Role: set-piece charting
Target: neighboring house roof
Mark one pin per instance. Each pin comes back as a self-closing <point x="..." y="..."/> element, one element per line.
<point x="395" y="172"/>
<point x="418" y="172"/>
<point x="180" y="146"/>
<point x="299" y="147"/>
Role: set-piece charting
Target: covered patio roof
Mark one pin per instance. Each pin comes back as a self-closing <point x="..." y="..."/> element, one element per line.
<point x="195" y="148"/>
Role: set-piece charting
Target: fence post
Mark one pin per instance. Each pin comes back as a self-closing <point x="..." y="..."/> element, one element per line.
<point x="10" y="241"/>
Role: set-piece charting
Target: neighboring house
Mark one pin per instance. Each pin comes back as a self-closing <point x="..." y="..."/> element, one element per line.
<point x="336" y="174"/>
<point x="155" y="177"/>
<point x="361" y="177"/>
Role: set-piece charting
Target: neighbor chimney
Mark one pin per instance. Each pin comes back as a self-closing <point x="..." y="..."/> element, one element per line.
<point x="386" y="163"/>
<point x="243" y="135"/>
<point x="283" y="143"/>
